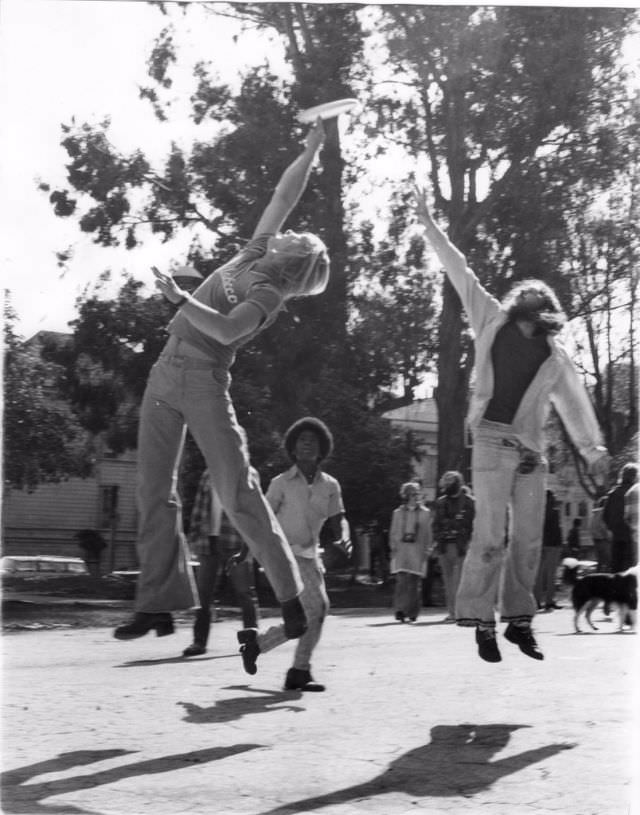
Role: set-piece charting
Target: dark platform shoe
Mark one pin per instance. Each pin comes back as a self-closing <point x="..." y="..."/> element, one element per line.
<point x="142" y="623"/>
<point x="249" y="649"/>
<point x="298" y="679"/>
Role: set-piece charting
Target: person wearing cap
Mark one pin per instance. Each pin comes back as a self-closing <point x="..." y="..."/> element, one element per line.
<point x="188" y="387"/>
<point x="187" y="278"/>
<point x="453" y="515"/>
<point x="521" y="370"/>
<point x="303" y="498"/>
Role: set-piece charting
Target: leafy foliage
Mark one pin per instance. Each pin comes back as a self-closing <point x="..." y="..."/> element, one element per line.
<point x="42" y="440"/>
<point x="107" y="362"/>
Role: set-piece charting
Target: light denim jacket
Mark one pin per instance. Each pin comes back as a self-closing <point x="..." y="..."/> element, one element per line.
<point x="557" y="381"/>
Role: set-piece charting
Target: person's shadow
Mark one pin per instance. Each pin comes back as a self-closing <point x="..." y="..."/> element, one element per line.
<point x="227" y="710"/>
<point x="26" y="799"/>
<point x="456" y="762"/>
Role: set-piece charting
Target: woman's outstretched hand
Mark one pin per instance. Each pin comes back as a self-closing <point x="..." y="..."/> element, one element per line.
<point x="168" y="286"/>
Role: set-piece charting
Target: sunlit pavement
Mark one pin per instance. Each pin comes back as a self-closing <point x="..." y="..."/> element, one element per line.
<point x="412" y="721"/>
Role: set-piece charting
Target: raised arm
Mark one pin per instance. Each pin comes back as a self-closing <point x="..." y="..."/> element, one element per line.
<point x="476" y="300"/>
<point x="291" y="184"/>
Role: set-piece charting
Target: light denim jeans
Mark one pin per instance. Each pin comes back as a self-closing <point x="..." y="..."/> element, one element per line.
<point x="184" y="390"/>
<point x="315" y="602"/>
<point x="507" y="501"/>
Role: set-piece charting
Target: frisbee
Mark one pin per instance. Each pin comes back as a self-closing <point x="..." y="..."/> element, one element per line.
<point x="327" y="110"/>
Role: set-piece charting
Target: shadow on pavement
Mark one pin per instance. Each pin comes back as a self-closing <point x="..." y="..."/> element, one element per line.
<point x="594" y="633"/>
<point x="26" y="799"/>
<point x="456" y="762"/>
<point x="416" y="624"/>
<point x="228" y="710"/>
<point x="137" y="663"/>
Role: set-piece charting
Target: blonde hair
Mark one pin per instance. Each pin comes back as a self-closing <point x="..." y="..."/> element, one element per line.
<point x="300" y="274"/>
<point x="409" y="486"/>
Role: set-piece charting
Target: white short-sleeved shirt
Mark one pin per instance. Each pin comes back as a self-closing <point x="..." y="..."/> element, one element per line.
<point x="302" y="508"/>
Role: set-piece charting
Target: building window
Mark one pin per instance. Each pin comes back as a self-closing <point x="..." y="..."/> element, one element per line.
<point x="108" y="504"/>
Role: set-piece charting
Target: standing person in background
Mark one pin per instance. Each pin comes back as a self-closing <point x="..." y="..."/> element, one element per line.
<point x="520" y="371"/>
<point x="622" y="556"/>
<point x="409" y="545"/>
<point x="303" y="498"/>
<point x="601" y="536"/>
<point x="550" y="557"/>
<point x="218" y="548"/>
<point x="452" y="526"/>
<point x="189" y="387"/>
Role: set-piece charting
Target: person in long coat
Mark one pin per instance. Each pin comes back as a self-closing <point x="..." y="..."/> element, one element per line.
<point x="409" y="543"/>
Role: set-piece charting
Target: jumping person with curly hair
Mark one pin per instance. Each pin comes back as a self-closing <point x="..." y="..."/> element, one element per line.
<point x="520" y="371"/>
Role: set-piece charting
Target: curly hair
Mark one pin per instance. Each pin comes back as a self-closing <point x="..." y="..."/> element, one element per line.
<point x="536" y="302"/>
<point x="322" y="432"/>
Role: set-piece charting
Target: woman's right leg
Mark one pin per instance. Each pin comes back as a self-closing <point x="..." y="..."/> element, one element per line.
<point x="166" y="579"/>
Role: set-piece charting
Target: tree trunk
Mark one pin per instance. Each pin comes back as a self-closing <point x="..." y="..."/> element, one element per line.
<point x="451" y="392"/>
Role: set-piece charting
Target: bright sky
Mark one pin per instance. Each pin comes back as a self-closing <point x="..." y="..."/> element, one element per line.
<point x="82" y="58"/>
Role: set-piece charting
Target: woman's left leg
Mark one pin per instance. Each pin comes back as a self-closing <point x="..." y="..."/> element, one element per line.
<point x="212" y="420"/>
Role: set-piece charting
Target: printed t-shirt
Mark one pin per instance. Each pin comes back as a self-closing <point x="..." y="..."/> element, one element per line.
<point x="237" y="281"/>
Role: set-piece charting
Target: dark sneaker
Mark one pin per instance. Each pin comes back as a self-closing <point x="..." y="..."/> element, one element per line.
<point x="294" y="618"/>
<point x="194" y="650"/>
<point x="298" y="679"/>
<point x="400" y="616"/>
<point x="487" y="645"/>
<point x="249" y="649"/>
<point x="522" y="636"/>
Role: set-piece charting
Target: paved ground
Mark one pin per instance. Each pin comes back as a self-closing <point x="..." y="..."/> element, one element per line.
<point x="412" y="722"/>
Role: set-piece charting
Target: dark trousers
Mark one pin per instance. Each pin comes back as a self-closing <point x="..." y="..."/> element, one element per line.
<point x="208" y="575"/>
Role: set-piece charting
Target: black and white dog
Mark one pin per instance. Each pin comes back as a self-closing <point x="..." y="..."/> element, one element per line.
<point x="591" y="589"/>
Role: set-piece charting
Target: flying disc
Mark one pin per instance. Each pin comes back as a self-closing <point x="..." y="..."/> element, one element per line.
<point x="327" y="110"/>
